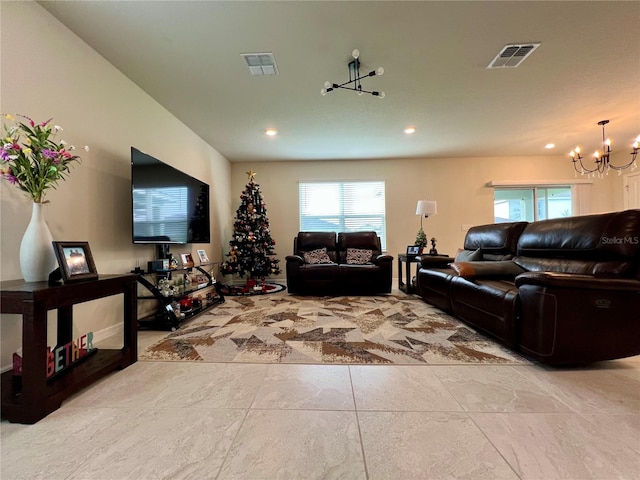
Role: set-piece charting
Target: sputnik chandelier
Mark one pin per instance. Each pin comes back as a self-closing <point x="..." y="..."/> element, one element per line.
<point x="602" y="162"/>
<point x="354" y="79"/>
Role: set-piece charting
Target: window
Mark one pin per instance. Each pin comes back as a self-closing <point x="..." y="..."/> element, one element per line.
<point x="343" y="207"/>
<point x="531" y="203"/>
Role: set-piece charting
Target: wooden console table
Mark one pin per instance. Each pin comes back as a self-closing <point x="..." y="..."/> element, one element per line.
<point x="35" y="396"/>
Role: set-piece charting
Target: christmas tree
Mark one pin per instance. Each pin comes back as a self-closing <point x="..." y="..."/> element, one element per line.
<point x="251" y="249"/>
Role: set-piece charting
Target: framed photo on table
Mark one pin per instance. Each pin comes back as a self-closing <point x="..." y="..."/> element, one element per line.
<point x="187" y="260"/>
<point x="413" y="250"/>
<point x="203" y="256"/>
<point x="75" y="261"/>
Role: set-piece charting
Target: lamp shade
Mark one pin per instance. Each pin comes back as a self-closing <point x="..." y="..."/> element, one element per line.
<point x="427" y="207"/>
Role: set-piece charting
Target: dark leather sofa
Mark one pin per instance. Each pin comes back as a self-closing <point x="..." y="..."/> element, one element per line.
<point x="561" y="291"/>
<point x="341" y="272"/>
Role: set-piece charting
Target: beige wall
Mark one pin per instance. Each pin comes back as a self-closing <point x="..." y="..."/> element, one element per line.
<point x="459" y="185"/>
<point x="47" y="71"/>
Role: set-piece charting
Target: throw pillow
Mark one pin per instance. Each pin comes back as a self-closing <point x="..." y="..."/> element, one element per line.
<point x="317" y="256"/>
<point x="358" y="256"/>
<point x="487" y="269"/>
<point x="468" y="255"/>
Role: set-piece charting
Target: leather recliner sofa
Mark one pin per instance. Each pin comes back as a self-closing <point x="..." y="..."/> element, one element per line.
<point x="562" y="291"/>
<point x="352" y="263"/>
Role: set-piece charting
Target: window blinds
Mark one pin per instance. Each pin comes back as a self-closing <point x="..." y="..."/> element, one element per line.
<point x="343" y="207"/>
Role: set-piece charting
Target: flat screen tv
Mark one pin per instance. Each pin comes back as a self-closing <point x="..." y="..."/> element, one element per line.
<point x="168" y="206"/>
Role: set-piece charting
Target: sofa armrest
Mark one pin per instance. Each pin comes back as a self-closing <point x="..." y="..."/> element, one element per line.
<point x="295" y="259"/>
<point x="434" y="261"/>
<point x="572" y="280"/>
<point x="382" y="259"/>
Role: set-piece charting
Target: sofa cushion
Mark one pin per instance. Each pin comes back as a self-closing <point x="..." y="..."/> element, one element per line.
<point x="487" y="269"/>
<point x="358" y="256"/>
<point x="316" y="256"/>
<point x="309" y="241"/>
<point x="601" y="237"/>
<point x="495" y="239"/>
<point x="367" y="240"/>
<point x="468" y="255"/>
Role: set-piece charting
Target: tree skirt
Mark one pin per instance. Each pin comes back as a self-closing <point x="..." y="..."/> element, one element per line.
<point x="284" y="328"/>
<point x="248" y="289"/>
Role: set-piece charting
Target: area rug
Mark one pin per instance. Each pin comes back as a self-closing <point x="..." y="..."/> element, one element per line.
<point x="283" y="328"/>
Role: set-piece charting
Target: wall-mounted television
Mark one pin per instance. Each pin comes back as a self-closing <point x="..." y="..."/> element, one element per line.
<point x="167" y="205"/>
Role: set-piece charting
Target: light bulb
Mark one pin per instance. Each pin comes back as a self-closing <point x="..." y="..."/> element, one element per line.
<point x="355" y="53"/>
<point x="327" y="84"/>
<point x="573" y="154"/>
<point x="577" y="150"/>
<point x="410" y="130"/>
<point x="607" y="142"/>
<point x="379" y="71"/>
<point x="381" y="95"/>
<point x="596" y="154"/>
<point x="272" y="132"/>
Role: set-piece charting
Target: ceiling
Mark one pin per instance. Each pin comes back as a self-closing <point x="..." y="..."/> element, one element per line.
<point x="187" y="56"/>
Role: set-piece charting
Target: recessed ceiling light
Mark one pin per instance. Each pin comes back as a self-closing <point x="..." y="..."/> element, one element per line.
<point x="410" y="130"/>
<point x="549" y="146"/>
<point x="272" y="132"/>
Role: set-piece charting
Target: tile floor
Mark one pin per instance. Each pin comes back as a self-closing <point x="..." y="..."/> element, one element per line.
<point x="162" y="420"/>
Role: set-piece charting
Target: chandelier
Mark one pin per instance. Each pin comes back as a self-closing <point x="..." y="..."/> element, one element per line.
<point x="353" y="83"/>
<point x="602" y="162"/>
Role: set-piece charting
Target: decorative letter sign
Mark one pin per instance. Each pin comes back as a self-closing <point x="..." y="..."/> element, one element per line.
<point x="65" y="356"/>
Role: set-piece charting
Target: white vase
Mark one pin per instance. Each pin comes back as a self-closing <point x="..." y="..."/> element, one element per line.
<point x="37" y="258"/>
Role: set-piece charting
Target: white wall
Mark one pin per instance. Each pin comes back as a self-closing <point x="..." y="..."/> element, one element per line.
<point x="48" y="72"/>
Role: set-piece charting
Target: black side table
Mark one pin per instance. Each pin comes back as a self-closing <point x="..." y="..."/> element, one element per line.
<point x="407" y="260"/>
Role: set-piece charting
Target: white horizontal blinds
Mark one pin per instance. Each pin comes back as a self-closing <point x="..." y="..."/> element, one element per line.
<point x="161" y="212"/>
<point x="343" y="207"/>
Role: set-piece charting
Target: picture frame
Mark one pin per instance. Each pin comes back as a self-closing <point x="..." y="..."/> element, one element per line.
<point x="187" y="260"/>
<point x="75" y="261"/>
<point x="413" y="250"/>
<point x="203" y="256"/>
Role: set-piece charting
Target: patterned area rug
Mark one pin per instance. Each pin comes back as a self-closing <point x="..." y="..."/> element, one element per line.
<point x="283" y="328"/>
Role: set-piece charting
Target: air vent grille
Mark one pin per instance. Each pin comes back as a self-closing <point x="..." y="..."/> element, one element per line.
<point x="260" y="63"/>
<point x="512" y="56"/>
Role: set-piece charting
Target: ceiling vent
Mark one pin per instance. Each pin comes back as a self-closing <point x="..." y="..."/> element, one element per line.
<point x="260" y="63"/>
<point x="511" y="56"/>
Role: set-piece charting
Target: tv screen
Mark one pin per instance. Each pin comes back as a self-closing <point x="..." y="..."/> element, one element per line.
<point x="168" y="206"/>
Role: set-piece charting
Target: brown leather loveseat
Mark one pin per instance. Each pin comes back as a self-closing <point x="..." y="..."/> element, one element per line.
<point x="562" y="291"/>
<point x="347" y="264"/>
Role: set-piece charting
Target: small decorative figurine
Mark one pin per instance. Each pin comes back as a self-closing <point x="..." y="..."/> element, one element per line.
<point x="433" y="250"/>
